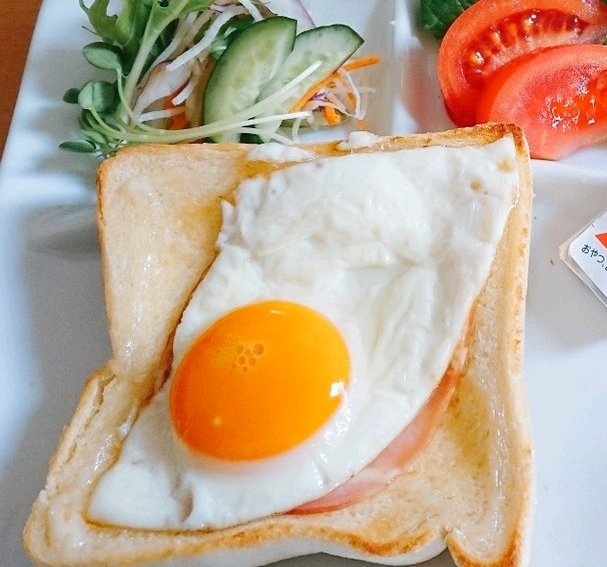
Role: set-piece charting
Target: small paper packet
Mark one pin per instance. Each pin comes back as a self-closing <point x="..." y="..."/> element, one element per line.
<point x="585" y="253"/>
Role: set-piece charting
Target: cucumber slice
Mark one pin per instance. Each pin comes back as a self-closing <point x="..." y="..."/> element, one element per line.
<point x="330" y="45"/>
<point x="249" y="62"/>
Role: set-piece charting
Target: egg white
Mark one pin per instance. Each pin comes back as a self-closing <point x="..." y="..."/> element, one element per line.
<point x="393" y="248"/>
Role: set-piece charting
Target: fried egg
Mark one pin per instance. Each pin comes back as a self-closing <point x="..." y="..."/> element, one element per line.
<point x="340" y="290"/>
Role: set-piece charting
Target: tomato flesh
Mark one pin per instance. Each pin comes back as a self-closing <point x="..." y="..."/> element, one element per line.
<point x="514" y="36"/>
<point x="490" y="34"/>
<point x="558" y="96"/>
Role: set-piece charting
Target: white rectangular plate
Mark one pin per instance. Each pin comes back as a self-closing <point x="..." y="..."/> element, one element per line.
<point x="53" y="328"/>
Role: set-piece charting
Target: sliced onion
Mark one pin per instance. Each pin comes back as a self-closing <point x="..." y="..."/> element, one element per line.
<point x="162" y="82"/>
<point x="250" y="7"/>
<point x="291" y="9"/>
<point x="208" y="37"/>
<point x="153" y="115"/>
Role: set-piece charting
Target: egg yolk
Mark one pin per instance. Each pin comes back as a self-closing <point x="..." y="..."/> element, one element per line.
<point x="258" y="381"/>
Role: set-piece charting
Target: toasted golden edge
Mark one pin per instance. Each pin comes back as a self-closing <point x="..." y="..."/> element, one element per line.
<point x="83" y="543"/>
<point x="507" y="315"/>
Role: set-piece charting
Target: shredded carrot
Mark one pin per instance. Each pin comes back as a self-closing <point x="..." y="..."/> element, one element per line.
<point x="352" y="99"/>
<point x="349" y="66"/>
<point x="361" y="62"/>
<point x="310" y="93"/>
<point x="331" y="115"/>
<point x="177" y="121"/>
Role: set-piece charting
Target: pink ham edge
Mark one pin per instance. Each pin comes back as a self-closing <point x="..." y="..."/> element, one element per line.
<point x="393" y="460"/>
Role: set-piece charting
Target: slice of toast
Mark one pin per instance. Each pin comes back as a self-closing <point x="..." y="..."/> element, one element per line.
<point x="471" y="488"/>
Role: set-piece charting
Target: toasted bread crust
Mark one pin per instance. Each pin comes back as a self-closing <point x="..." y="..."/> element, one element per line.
<point x="448" y="495"/>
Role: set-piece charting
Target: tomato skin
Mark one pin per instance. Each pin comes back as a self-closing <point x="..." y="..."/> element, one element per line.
<point x="557" y="96"/>
<point x="491" y="33"/>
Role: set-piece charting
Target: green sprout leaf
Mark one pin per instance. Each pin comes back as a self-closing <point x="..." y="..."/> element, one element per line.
<point x="103" y="23"/>
<point x="99" y="96"/>
<point x="79" y="146"/>
<point x="103" y="56"/>
<point x="71" y="96"/>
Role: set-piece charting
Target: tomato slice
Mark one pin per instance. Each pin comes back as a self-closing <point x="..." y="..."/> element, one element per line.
<point x="558" y="96"/>
<point x="489" y="34"/>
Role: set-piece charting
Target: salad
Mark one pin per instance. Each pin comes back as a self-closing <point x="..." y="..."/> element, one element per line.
<point x="175" y="71"/>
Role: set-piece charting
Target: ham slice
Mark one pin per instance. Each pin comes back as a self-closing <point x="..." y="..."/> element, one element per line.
<point x="394" y="459"/>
